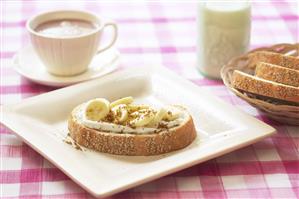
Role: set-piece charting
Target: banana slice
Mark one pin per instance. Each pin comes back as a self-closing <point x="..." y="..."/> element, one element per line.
<point x="97" y="109"/>
<point x="143" y="117"/>
<point x="158" y="117"/>
<point x="125" y="100"/>
<point x="141" y="111"/>
<point x="171" y="115"/>
<point x="120" y="112"/>
<point x="137" y="107"/>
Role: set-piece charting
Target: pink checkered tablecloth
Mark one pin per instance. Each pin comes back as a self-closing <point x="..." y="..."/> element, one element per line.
<point x="161" y="33"/>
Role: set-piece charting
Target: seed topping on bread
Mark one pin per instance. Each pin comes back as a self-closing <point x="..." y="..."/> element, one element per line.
<point x="123" y="116"/>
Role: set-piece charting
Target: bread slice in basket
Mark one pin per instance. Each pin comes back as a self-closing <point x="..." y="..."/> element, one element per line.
<point x="161" y="140"/>
<point x="277" y="74"/>
<point x="256" y="85"/>
<point x="273" y="58"/>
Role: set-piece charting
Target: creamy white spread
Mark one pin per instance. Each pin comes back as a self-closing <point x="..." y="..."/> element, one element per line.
<point x="116" y="128"/>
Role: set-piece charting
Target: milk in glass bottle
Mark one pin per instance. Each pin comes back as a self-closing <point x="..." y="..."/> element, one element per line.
<point x="223" y="32"/>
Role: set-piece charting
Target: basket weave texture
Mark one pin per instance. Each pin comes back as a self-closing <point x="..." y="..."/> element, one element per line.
<point x="281" y="111"/>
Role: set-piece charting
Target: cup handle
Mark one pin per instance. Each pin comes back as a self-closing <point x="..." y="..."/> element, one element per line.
<point x="115" y="33"/>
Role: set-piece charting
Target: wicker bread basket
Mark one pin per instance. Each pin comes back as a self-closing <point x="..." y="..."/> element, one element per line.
<point x="281" y="111"/>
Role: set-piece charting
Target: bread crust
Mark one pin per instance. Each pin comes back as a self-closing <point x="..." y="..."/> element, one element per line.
<point x="277" y="74"/>
<point x="132" y="144"/>
<point x="252" y="84"/>
<point x="273" y="58"/>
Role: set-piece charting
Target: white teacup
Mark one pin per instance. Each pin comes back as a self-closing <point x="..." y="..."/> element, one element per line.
<point x="69" y="54"/>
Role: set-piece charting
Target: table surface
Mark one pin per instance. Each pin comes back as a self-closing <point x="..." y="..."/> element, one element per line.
<point x="159" y="33"/>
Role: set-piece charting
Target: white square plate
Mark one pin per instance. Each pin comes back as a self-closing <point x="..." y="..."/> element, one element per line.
<point x="41" y="122"/>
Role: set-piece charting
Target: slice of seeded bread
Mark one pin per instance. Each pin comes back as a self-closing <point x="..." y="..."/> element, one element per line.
<point x="273" y="58"/>
<point x="256" y="85"/>
<point x="132" y="144"/>
<point x="277" y="74"/>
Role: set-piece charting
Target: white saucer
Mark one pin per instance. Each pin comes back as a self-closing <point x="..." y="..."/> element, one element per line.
<point x="27" y="63"/>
